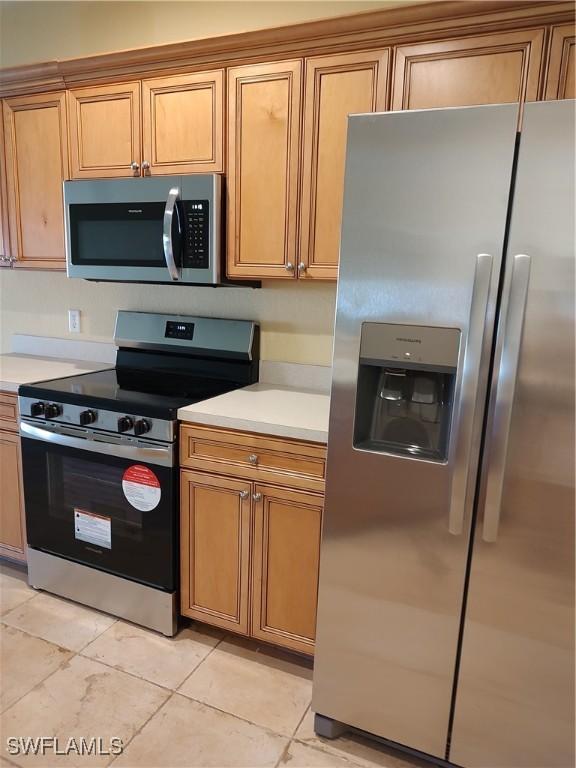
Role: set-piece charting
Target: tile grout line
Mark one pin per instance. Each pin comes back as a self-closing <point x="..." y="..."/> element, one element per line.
<point x="210" y="652"/>
<point x="43" y="680"/>
<point x="141" y="728"/>
<point x="286" y="749"/>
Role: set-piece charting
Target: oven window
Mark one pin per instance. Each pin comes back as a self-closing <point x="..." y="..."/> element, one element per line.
<point x="72" y="485"/>
<point x="118" y="234"/>
<point x="96" y="509"/>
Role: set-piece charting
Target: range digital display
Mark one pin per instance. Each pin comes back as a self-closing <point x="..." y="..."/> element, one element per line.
<point x="176" y="330"/>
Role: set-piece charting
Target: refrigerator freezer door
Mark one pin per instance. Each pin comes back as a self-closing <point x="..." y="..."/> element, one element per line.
<point x="425" y="206"/>
<point x="515" y="695"/>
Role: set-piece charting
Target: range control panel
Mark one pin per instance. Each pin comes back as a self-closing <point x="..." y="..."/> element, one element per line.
<point x="196" y="233"/>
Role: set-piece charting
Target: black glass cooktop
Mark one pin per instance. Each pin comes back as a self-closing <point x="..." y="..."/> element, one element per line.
<point x="138" y="392"/>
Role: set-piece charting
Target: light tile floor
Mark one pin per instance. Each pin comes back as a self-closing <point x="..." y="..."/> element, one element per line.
<point x="199" y="700"/>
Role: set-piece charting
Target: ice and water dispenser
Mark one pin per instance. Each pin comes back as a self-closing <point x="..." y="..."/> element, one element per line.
<point x="405" y="389"/>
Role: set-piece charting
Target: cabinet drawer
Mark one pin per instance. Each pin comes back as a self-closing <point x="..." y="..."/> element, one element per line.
<point x="253" y="457"/>
<point x="8" y="412"/>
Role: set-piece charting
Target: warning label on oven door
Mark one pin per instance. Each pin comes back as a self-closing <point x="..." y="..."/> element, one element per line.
<point x="94" y="529"/>
<point x="141" y="487"/>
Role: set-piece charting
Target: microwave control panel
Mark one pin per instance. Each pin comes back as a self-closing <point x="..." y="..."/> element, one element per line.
<point x="196" y="234"/>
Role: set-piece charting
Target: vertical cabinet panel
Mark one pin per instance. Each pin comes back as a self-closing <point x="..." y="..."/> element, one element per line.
<point x="215" y="546"/>
<point x="4" y="239"/>
<point x="487" y="69"/>
<point x="104" y="130"/>
<point x="286" y="551"/>
<point x="11" y="504"/>
<point x="182" y="120"/>
<point x="36" y="164"/>
<point x="263" y="161"/>
<point x="560" y="78"/>
<point x="336" y="86"/>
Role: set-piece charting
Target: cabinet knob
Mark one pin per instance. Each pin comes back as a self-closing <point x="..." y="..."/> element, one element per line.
<point x="244" y="494"/>
<point x="257" y="496"/>
<point x="290" y="267"/>
<point x="145" y="167"/>
<point x="135" y="166"/>
<point x="301" y="268"/>
<point x="253" y="459"/>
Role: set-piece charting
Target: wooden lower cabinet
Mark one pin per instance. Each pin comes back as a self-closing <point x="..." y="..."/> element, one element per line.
<point x="215" y="516"/>
<point x="285" y="563"/>
<point x="249" y="558"/>
<point x="12" y="539"/>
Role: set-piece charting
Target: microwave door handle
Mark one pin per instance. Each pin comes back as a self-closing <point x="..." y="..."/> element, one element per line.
<point x="500" y="409"/>
<point x="169" y="211"/>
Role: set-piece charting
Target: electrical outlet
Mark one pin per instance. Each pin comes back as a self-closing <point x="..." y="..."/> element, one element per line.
<point x="74" y="320"/>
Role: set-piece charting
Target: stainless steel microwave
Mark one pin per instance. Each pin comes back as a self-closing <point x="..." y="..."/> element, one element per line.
<point x="150" y="230"/>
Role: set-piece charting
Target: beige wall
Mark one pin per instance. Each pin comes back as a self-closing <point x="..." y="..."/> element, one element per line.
<point x="297" y="320"/>
<point x="40" y="31"/>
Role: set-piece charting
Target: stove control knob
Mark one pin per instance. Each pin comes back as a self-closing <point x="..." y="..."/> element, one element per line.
<point x="37" y="409"/>
<point x="142" y="426"/>
<point x="87" y="417"/>
<point x="52" y="410"/>
<point x="125" y="423"/>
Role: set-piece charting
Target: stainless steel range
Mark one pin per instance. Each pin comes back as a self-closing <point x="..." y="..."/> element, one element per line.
<point x="100" y="466"/>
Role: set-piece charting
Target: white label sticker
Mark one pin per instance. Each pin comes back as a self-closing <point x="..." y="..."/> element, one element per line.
<point x="141" y="487"/>
<point x="95" y="529"/>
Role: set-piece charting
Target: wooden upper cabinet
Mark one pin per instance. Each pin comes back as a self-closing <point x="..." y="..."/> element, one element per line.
<point x="36" y="164"/>
<point x="182" y="123"/>
<point x="285" y="560"/>
<point x="486" y="69"/>
<point x="264" y="103"/>
<point x="336" y="86"/>
<point x="105" y="136"/>
<point x="215" y="520"/>
<point x="560" y="78"/>
<point x="4" y="239"/>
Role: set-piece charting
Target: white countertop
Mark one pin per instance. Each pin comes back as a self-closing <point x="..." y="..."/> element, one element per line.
<point x="25" y="369"/>
<point x="267" y="409"/>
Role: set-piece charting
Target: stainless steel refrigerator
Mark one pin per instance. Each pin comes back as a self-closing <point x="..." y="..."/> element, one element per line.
<point x="446" y="601"/>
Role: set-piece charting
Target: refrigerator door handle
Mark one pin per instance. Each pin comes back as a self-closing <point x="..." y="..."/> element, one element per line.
<point x="506" y="365"/>
<point x="467" y="404"/>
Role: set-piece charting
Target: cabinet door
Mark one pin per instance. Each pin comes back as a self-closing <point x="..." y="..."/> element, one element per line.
<point x="263" y="145"/>
<point x="560" y="78"/>
<point x="487" y="69"/>
<point x="36" y="164"/>
<point x="11" y="506"/>
<point x="286" y="552"/>
<point x="215" y="549"/>
<point x="105" y="131"/>
<point x="182" y="123"/>
<point x="4" y="241"/>
<point x="336" y="86"/>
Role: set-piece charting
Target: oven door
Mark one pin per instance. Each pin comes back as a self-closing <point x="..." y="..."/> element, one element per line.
<point x="107" y="503"/>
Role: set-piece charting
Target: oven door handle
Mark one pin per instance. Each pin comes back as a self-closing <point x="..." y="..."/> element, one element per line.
<point x="169" y="211"/>
<point x="161" y="455"/>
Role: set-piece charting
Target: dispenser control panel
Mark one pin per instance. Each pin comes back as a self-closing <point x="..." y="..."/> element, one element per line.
<point x="405" y="390"/>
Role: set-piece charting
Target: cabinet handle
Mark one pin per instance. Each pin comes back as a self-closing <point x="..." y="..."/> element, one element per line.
<point x="290" y="267"/>
<point x="253" y="459"/>
<point x="257" y="496"/>
<point x="135" y="166"/>
<point x="145" y="167"/>
<point x="301" y="268"/>
<point x="244" y="494"/>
